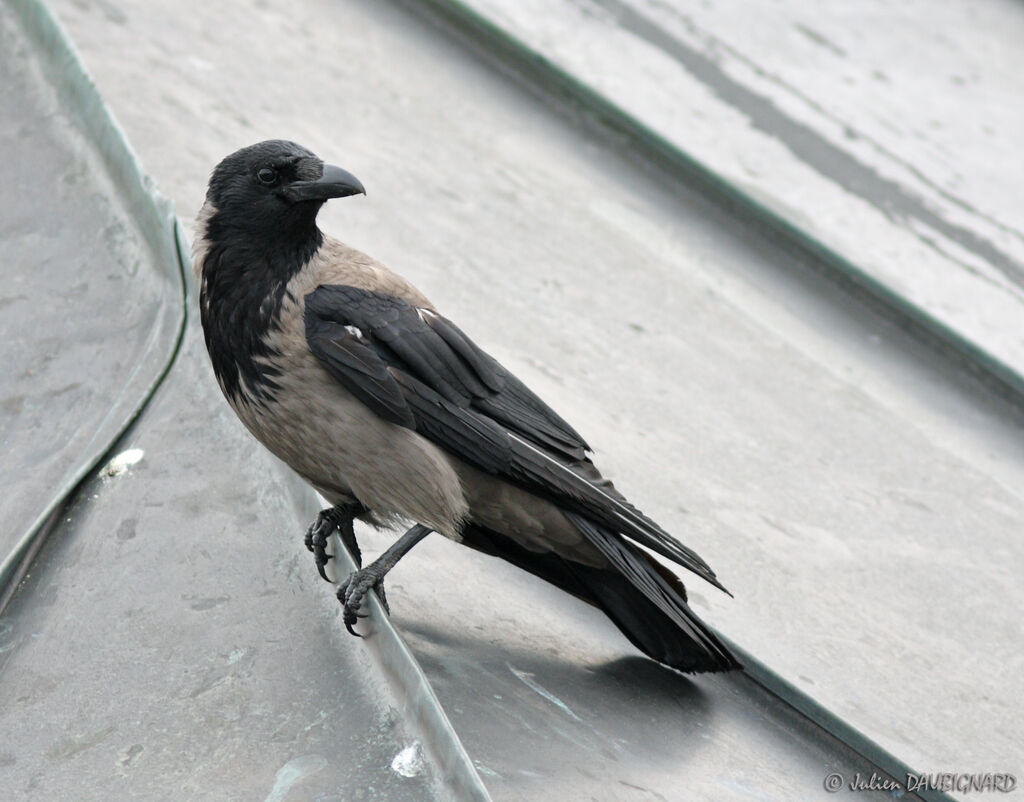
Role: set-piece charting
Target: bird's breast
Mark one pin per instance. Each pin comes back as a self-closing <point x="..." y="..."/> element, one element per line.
<point x="332" y="440"/>
<point x="256" y="337"/>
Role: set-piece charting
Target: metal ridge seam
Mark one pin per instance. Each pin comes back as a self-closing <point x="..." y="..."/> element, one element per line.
<point x="539" y="72"/>
<point x="156" y="220"/>
<point x="421" y="703"/>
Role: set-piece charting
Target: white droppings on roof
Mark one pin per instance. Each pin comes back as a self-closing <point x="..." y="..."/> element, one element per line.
<point x="122" y="462"/>
<point x="409" y="762"/>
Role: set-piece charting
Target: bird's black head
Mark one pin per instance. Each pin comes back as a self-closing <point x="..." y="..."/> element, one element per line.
<point x="256" y="231"/>
<point x="267" y="196"/>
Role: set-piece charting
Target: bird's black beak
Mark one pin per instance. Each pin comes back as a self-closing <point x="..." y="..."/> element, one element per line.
<point x="334" y="183"/>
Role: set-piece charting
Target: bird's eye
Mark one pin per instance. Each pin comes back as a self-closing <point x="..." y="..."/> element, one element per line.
<point x="267" y="175"/>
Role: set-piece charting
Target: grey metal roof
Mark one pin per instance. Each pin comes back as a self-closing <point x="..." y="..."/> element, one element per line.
<point x="856" y="488"/>
<point x="883" y="138"/>
<point x="62" y="349"/>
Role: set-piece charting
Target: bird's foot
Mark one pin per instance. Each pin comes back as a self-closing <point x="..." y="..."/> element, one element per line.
<point x="354" y="589"/>
<point x="327" y="521"/>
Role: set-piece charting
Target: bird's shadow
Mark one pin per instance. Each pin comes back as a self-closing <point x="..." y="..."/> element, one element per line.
<point x="626" y="687"/>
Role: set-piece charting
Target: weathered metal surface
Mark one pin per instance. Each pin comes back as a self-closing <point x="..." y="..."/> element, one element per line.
<point x="850" y="487"/>
<point x="164" y="647"/>
<point x="885" y="137"/>
<point x="91" y="305"/>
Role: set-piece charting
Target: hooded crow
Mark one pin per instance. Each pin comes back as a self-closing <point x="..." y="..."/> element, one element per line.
<point x="349" y="374"/>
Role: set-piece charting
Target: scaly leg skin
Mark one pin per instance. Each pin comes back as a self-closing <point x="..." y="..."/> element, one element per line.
<point x="353" y="589"/>
<point x="339" y="518"/>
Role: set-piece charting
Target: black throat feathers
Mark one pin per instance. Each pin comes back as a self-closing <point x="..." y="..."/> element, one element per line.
<point x="245" y="275"/>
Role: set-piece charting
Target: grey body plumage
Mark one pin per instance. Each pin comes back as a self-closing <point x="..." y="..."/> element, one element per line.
<point x="346" y="372"/>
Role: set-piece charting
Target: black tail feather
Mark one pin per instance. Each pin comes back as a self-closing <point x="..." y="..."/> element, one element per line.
<point x="663" y="627"/>
<point x="579" y="487"/>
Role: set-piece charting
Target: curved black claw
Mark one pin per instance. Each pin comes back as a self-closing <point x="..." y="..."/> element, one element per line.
<point x="354" y="589"/>
<point x="316" y="538"/>
<point x="338" y="518"/>
<point x="351" y="593"/>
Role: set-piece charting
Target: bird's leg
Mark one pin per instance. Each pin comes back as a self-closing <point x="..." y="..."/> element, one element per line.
<point x="353" y="589"/>
<point x="341" y="518"/>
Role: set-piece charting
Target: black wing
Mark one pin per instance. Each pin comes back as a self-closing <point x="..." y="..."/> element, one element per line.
<point x="365" y="338"/>
<point x="417" y="369"/>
